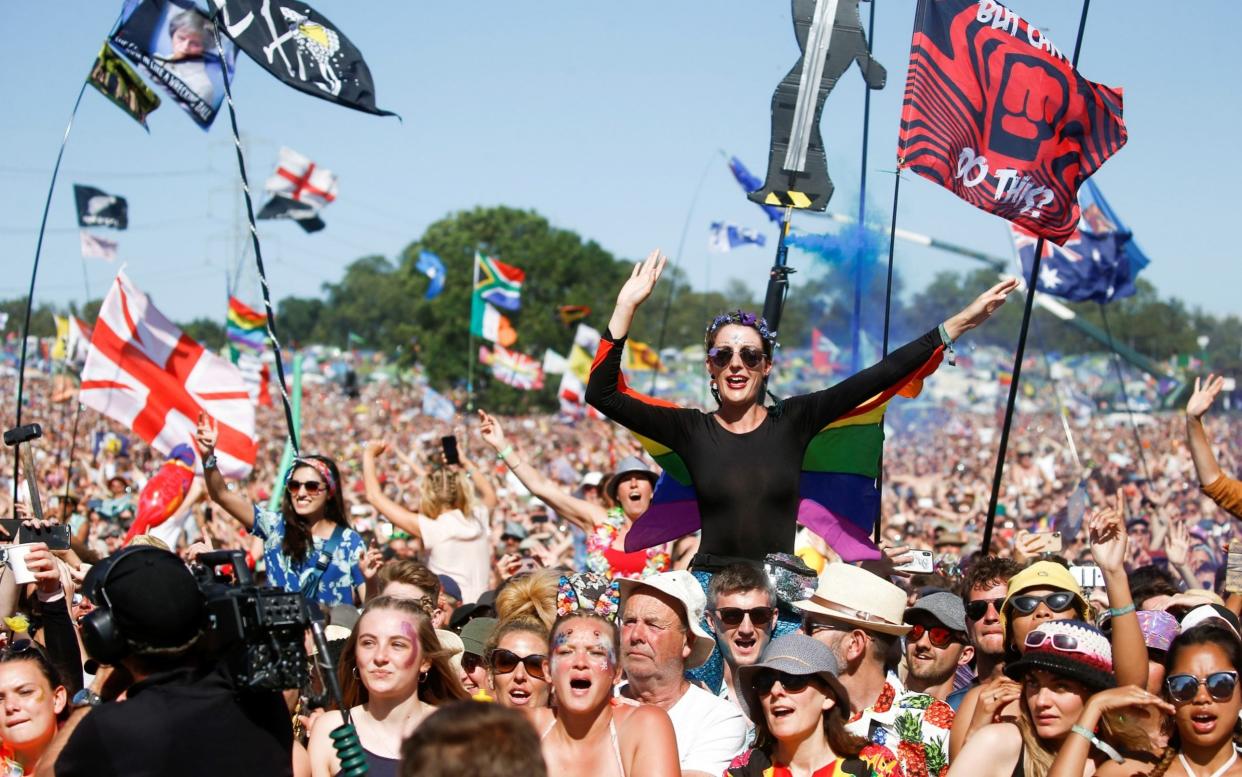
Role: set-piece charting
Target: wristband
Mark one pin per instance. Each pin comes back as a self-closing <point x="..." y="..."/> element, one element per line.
<point x="1098" y="743"/>
<point x="502" y="454"/>
<point x="947" y="342"/>
<point x="210" y="461"/>
<point x="1119" y="611"/>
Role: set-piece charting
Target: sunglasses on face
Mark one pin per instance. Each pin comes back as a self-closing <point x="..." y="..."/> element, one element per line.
<point x="751" y="357"/>
<point x="503" y="662"/>
<point x="1184" y="687"/>
<point x="312" y="486"/>
<point x="978" y="608"/>
<point x="939" y="635"/>
<point x="1060" y="601"/>
<point x="732" y="616"/>
<point x="1063" y="642"/>
<point x="792" y="683"/>
<point x="470" y="662"/>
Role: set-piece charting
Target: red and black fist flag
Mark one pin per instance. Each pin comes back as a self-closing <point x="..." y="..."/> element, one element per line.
<point x="995" y="113"/>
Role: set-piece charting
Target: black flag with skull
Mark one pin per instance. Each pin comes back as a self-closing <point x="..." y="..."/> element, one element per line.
<point x="295" y="43"/>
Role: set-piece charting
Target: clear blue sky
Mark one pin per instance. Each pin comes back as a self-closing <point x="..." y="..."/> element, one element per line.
<point x="602" y="117"/>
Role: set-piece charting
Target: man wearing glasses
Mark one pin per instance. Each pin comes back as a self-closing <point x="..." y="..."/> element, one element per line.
<point x="983" y="588"/>
<point x="741" y="604"/>
<point x="937" y="644"/>
<point x="860" y="617"/>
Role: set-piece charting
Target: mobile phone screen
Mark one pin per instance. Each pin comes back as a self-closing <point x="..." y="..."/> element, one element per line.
<point x="449" y="444"/>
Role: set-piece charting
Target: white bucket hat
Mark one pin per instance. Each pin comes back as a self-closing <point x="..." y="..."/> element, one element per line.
<point x="853" y="595"/>
<point x="682" y="586"/>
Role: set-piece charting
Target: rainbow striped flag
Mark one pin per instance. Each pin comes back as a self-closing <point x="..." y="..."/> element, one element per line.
<point x="839" y="499"/>
<point x="246" y="328"/>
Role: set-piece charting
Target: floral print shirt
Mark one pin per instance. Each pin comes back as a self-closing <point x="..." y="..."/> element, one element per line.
<point x="339" y="579"/>
<point x="877" y="760"/>
<point x="913" y="725"/>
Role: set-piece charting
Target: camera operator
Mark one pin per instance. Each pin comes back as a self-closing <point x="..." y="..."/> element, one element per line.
<point x="182" y="714"/>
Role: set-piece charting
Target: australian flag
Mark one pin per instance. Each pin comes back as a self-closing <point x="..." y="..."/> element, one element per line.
<point x="1098" y="263"/>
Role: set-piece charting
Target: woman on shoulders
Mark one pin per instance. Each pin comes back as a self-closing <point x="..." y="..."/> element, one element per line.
<point x="393" y="674"/>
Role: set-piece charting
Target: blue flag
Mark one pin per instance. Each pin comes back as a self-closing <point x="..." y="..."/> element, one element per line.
<point x="430" y="265"/>
<point x="726" y="237"/>
<point x="750" y="183"/>
<point x="1098" y="263"/>
<point x="438" y="406"/>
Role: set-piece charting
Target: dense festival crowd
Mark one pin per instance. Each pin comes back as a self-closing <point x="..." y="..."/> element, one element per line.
<point x="484" y="616"/>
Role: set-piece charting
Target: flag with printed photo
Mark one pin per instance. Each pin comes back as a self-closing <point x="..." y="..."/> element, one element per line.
<point x="117" y="81"/>
<point x="96" y="247"/>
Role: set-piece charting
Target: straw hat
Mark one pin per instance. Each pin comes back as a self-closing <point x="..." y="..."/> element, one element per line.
<point x="853" y="595"/>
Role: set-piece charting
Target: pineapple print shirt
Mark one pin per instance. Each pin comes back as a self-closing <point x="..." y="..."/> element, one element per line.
<point x="913" y="725"/>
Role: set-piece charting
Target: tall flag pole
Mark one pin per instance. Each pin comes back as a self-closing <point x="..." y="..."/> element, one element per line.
<point x="258" y="257"/>
<point x="470" y="354"/>
<point x="856" y="358"/>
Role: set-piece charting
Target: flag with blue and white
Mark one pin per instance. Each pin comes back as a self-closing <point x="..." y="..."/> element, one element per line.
<point x="725" y="237"/>
<point x="430" y="265"/>
<point x="1098" y="263"/>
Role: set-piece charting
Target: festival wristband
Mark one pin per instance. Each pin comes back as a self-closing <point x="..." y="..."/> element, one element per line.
<point x="210" y="461"/>
<point x="947" y="342"/>
<point x="502" y="454"/>
<point x="1119" y="611"/>
<point x="1098" y="743"/>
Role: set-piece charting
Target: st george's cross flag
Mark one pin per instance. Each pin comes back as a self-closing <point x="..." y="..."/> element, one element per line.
<point x="995" y="113"/>
<point x="298" y="178"/>
<point x="146" y="374"/>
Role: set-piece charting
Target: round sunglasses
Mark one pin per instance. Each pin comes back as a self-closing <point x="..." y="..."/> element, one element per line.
<point x="1185" y="687"/>
<point x="751" y="357"/>
<point x="939" y="635"/>
<point x="732" y="616"/>
<point x="792" y="683"/>
<point x="504" y="661"/>
<point x="1058" y="601"/>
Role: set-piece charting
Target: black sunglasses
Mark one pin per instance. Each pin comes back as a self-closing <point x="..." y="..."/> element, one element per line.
<point x="503" y="662"/>
<point x="751" y="357"/>
<point x="792" y="683"/>
<point x="978" y="608"/>
<point x="1059" y="601"/>
<point x="471" y="662"/>
<point x="1184" y="687"/>
<point x="312" y="486"/>
<point x="939" y="635"/>
<point x="732" y="616"/>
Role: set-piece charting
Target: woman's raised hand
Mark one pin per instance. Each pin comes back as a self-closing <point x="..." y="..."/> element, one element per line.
<point x="375" y="449"/>
<point x="642" y="281"/>
<point x="205" y="435"/>
<point x="1106" y="530"/>
<point x="981" y="309"/>
<point x="490" y="431"/>
<point x="1204" y="395"/>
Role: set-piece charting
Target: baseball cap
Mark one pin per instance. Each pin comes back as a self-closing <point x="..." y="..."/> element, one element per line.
<point x="155" y="600"/>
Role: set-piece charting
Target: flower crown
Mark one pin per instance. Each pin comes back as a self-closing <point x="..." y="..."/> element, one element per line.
<point x="588" y="592"/>
<point x="742" y="318"/>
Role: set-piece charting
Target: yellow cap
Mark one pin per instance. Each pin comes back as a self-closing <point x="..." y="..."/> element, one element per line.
<point x="1041" y="574"/>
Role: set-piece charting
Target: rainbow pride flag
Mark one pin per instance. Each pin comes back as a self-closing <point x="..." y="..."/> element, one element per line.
<point x="839" y="498"/>
<point x="246" y="328"/>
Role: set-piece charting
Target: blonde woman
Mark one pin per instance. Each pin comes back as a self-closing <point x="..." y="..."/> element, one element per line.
<point x="453" y="529"/>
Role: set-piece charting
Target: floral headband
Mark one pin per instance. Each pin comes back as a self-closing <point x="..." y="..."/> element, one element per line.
<point x="590" y="593"/>
<point x="742" y="318"/>
<point x="318" y="466"/>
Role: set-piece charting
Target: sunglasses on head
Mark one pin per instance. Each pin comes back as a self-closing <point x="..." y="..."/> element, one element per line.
<point x="311" y="486"/>
<point x="792" y="683"/>
<point x="732" y="616"/>
<point x="1064" y="642"/>
<point x="1185" y="687"/>
<point x="978" y="608"/>
<point x="1058" y="601"/>
<point x="939" y="635"/>
<point x="751" y="357"/>
<point x="503" y="662"/>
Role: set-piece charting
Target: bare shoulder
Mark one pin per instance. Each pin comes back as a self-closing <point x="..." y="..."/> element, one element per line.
<point x="1131" y="767"/>
<point x="998" y="739"/>
<point x="638" y="717"/>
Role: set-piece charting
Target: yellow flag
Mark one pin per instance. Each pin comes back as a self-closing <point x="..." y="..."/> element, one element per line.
<point x="640" y="357"/>
<point x="59" y="348"/>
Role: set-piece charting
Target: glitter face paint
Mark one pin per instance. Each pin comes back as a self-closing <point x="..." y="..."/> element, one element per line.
<point x="601" y="655"/>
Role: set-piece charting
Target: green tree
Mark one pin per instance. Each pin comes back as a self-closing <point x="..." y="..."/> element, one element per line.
<point x="207" y="331"/>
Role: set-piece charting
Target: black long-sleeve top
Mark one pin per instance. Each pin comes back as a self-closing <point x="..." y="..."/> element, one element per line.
<point x="747" y="484"/>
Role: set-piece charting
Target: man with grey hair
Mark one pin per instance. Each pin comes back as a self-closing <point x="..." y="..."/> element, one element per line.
<point x="661" y="637"/>
<point x="741" y="610"/>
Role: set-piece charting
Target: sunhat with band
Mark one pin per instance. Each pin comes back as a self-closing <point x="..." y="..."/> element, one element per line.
<point x="854" y="596"/>
<point x="682" y="586"/>
<point x="1042" y="574"/>
<point x="1073" y="649"/>
<point x="792" y="654"/>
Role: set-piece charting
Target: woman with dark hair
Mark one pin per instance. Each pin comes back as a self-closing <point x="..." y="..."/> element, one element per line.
<point x="800" y="710"/>
<point x="308" y="546"/>
<point x="33" y="704"/>
<point x="1064" y="663"/>
<point x="1202" y="696"/>
<point x="393" y="674"/>
<point x="745" y="459"/>
<point x="588" y="730"/>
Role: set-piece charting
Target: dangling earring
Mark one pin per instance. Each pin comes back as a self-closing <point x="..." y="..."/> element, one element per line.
<point x="422" y="678"/>
<point x="356" y="677"/>
<point x="716" y="393"/>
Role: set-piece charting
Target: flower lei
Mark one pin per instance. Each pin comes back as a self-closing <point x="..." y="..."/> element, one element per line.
<point x="599" y="541"/>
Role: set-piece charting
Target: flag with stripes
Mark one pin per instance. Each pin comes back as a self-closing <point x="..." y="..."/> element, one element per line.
<point x="499" y="283"/>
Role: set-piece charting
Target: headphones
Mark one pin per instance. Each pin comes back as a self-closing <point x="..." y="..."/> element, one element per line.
<point x="101" y="636"/>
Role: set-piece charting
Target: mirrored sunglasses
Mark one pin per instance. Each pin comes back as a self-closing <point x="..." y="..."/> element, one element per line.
<point x="939" y="635"/>
<point x="1184" y="687"/>
<point x="751" y="357"/>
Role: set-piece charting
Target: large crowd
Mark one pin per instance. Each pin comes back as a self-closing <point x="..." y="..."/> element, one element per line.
<point x="485" y="617"/>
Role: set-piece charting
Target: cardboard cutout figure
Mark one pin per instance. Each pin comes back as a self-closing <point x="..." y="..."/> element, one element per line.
<point x="830" y="34"/>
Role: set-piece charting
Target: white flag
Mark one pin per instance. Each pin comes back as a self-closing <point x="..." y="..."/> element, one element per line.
<point x="95" y="247"/>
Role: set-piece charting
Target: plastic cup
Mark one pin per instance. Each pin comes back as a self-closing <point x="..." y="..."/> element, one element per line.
<point x="17" y="563"/>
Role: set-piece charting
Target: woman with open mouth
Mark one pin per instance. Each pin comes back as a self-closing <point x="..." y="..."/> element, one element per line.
<point x="517" y="664"/>
<point x="588" y="731"/>
<point x="1064" y="662"/>
<point x="393" y="674"/>
<point x="800" y="710"/>
<point x="1202" y="696"/>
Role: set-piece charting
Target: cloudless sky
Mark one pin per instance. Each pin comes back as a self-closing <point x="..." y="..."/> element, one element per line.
<point x="603" y="117"/>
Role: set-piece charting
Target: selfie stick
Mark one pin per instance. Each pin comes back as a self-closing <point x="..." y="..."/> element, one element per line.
<point x="14" y="438"/>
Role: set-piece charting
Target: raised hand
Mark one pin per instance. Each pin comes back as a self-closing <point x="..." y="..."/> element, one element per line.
<point x="981" y="309"/>
<point x="1106" y="530"/>
<point x="490" y="431"/>
<point x="642" y="281"/>
<point x="1177" y="543"/>
<point x="375" y="449"/>
<point x="206" y="433"/>
<point x="371" y="562"/>
<point x="1127" y="696"/>
<point x="1204" y="395"/>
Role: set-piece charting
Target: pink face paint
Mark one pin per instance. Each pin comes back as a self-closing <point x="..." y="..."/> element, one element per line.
<point x="410" y="633"/>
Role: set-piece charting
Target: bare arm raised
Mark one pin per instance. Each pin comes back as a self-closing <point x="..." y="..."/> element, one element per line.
<point x="234" y="502"/>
